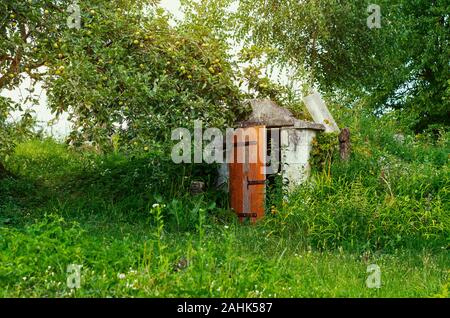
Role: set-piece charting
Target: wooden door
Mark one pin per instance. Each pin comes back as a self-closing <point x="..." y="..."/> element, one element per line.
<point x="247" y="173"/>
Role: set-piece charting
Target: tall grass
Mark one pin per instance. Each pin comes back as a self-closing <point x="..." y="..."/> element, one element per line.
<point x="232" y="261"/>
<point x="133" y="226"/>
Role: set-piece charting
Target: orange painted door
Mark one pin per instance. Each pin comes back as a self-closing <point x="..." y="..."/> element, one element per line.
<point x="247" y="174"/>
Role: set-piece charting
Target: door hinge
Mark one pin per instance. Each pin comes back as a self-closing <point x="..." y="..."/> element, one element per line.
<point x="255" y="182"/>
<point x="247" y="215"/>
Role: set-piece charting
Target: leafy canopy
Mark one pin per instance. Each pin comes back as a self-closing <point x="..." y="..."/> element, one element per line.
<point x="126" y="74"/>
<point x="403" y="65"/>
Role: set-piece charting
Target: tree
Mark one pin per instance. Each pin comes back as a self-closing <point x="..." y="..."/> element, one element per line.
<point x="425" y="88"/>
<point x="402" y="65"/>
<point x="25" y="28"/>
<point x="10" y="133"/>
<point x="129" y="75"/>
<point x="125" y="74"/>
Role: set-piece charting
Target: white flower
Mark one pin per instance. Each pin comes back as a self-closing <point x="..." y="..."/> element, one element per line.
<point x="121" y="276"/>
<point x="155" y="205"/>
<point x="226" y="227"/>
<point x="24" y="278"/>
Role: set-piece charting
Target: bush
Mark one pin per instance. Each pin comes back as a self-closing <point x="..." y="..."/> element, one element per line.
<point x="350" y="214"/>
<point x="11" y="133"/>
<point x="148" y="79"/>
<point x="393" y="193"/>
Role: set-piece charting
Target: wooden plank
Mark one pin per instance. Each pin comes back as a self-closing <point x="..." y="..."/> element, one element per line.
<point x="247" y="186"/>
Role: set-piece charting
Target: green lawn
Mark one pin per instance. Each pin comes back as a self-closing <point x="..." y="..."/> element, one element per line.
<point x="191" y="247"/>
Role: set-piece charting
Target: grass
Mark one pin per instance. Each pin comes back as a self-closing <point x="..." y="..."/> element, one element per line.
<point x="130" y="224"/>
<point x="224" y="262"/>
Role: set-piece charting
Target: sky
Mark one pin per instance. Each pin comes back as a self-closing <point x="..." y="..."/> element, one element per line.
<point x="172" y="6"/>
<point x="43" y="115"/>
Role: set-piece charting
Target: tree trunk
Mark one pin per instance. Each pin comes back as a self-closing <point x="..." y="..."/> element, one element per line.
<point x="344" y="141"/>
<point x="3" y="172"/>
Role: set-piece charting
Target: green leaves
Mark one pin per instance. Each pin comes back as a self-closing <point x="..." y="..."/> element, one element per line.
<point x="402" y="65"/>
<point x="125" y="71"/>
<point x="138" y="77"/>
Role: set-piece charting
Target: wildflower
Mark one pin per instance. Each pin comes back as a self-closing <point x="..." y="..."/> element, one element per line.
<point x="226" y="227"/>
<point x="274" y="210"/>
<point x="121" y="276"/>
<point x="132" y="271"/>
<point x="132" y="285"/>
<point x="156" y="205"/>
